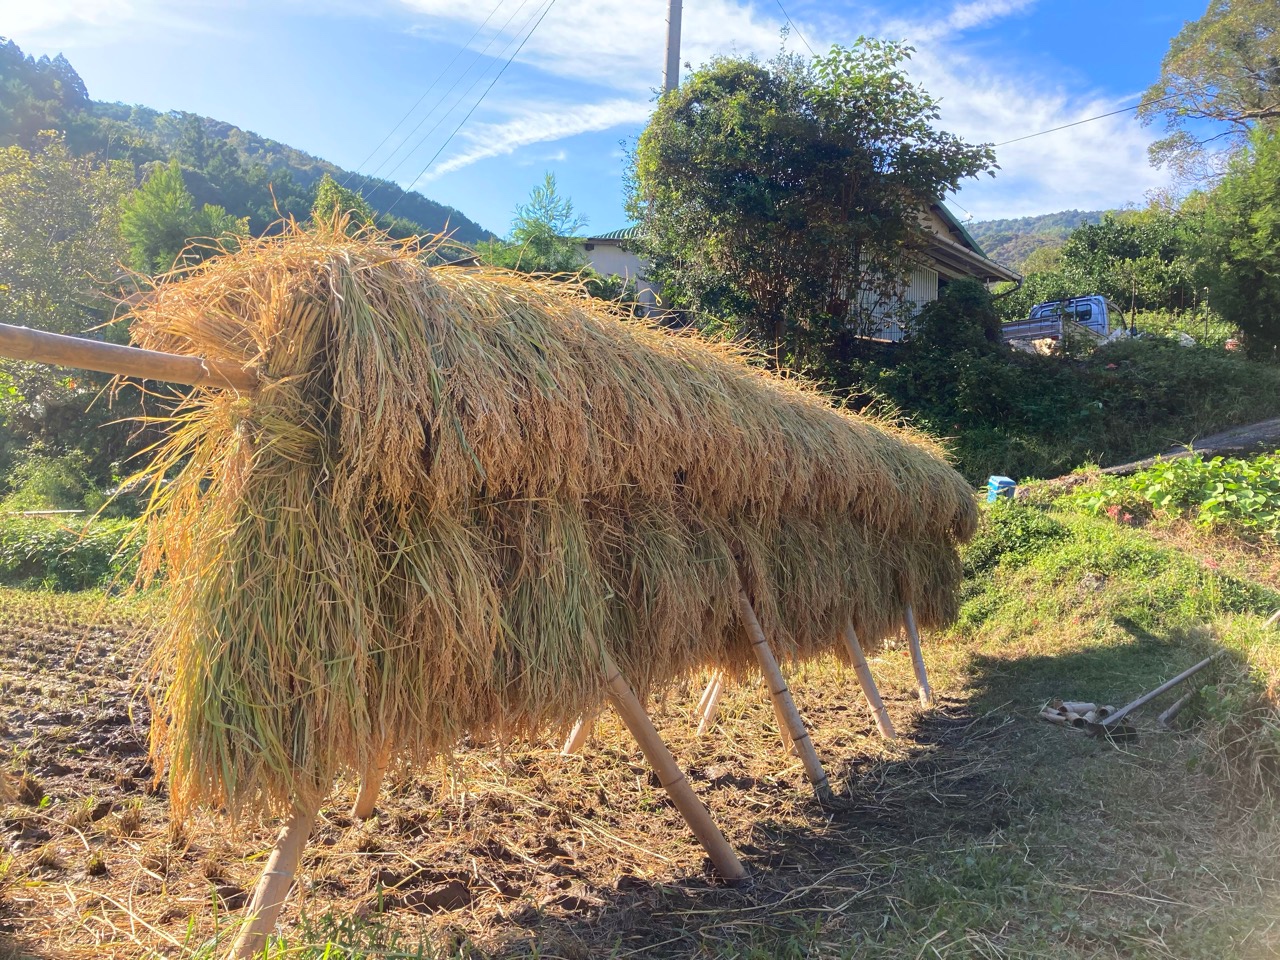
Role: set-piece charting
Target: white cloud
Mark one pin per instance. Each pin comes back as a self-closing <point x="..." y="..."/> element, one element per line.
<point x="71" y="23"/>
<point x="620" y="43"/>
<point x="539" y="123"/>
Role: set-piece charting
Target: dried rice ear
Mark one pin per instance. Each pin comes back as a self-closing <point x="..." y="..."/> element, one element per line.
<point x="459" y="489"/>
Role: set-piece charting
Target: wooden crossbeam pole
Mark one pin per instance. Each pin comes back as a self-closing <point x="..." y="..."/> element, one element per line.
<point x="788" y="714"/>
<point x="273" y="886"/>
<point x="917" y="657"/>
<point x="580" y="734"/>
<point x="23" y="343"/>
<point x="868" y="683"/>
<point x="670" y="776"/>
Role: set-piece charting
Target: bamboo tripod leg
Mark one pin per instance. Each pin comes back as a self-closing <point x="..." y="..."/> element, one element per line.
<point x="370" y="784"/>
<point x="701" y="709"/>
<point x="788" y="745"/>
<point x="783" y="704"/>
<point x="273" y="886"/>
<point x="711" y="702"/>
<point x="917" y="658"/>
<point x="670" y="776"/>
<point x="868" y="684"/>
<point x="580" y="734"/>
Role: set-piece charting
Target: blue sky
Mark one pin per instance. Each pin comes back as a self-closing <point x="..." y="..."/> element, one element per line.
<point x="333" y="77"/>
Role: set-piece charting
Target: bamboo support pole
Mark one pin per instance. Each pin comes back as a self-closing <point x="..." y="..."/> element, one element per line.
<point x="23" y="343"/>
<point x="273" y="886"/>
<point x="371" y="784"/>
<point x="788" y="744"/>
<point x="917" y="657"/>
<point x="1128" y="708"/>
<point x="868" y="684"/>
<point x="789" y="716"/>
<point x="711" y="702"/>
<point x="580" y="734"/>
<point x="1166" y="719"/>
<point x="670" y="776"/>
<point x="701" y="709"/>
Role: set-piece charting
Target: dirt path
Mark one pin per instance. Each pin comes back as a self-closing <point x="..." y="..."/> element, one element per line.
<point x="1261" y="437"/>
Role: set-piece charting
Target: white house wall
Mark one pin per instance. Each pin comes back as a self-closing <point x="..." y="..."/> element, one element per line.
<point x="609" y="259"/>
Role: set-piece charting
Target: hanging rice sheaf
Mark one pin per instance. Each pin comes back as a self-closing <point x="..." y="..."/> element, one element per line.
<point x="458" y="489"/>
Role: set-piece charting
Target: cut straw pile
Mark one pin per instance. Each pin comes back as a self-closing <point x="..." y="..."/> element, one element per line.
<point x="458" y="488"/>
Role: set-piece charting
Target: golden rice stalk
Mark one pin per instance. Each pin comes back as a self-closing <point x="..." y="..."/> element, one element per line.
<point x="458" y="488"/>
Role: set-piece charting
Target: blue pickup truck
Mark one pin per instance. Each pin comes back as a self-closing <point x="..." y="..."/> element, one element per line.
<point x="1096" y="317"/>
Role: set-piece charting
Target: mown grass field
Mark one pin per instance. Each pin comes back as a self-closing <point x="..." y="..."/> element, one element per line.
<point x="984" y="832"/>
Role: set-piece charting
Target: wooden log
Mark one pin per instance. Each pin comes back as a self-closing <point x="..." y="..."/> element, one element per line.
<point x="670" y="776"/>
<point x="1272" y="620"/>
<point x="580" y="734"/>
<point x="1078" y="706"/>
<point x="786" y="707"/>
<point x="712" y="695"/>
<point x="917" y="657"/>
<point x="868" y="684"/>
<point x="23" y="343"/>
<point x="273" y="886"/>
<point x="1128" y="708"/>
<point x="371" y="784"/>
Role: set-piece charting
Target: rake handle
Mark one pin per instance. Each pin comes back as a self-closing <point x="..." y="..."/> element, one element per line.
<point x="23" y="343"/>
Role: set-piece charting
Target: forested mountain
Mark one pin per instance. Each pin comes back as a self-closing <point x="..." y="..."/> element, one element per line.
<point x="245" y="173"/>
<point x="1010" y="242"/>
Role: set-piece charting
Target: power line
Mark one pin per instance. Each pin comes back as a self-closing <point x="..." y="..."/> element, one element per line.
<point x="435" y="126"/>
<point x="794" y="27"/>
<point x="1101" y="116"/>
<point x="408" y="113"/>
<point x="492" y="83"/>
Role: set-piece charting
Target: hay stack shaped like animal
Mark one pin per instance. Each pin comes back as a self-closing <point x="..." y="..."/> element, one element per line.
<point x="458" y="488"/>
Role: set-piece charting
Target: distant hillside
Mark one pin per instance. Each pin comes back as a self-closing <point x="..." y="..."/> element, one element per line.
<point x="1010" y="242"/>
<point x="247" y="174"/>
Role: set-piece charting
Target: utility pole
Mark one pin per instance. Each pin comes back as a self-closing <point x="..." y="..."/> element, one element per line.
<point x="671" y="76"/>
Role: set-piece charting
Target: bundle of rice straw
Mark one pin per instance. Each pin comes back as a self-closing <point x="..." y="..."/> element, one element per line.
<point x="457" y="487"/>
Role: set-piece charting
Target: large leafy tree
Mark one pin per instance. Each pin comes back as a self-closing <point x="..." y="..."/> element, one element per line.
<point x="60" y="249"/>
<point x="1243" y="248"/>
<point x="1220" y="79"/>
<point x="786" y="196"/>
<point x="162" y="226"/>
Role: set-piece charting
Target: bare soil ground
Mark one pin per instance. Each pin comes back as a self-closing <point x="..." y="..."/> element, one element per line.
<point x="983" y="833"/>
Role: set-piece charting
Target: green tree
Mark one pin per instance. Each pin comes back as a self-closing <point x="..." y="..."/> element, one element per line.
<point x="1220" y="78"/>
<point x="60" y="250"/>
<point x="334" y="201"/>
<point x="1243" y="244"/>
<point x="785" y="197"/>
<point x="159" y="221"/>
<point x="544" y="235"/>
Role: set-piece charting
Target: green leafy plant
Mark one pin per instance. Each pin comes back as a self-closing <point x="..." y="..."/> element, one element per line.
<point x="36" y="552"/>
<point x="1242" y="493"/>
